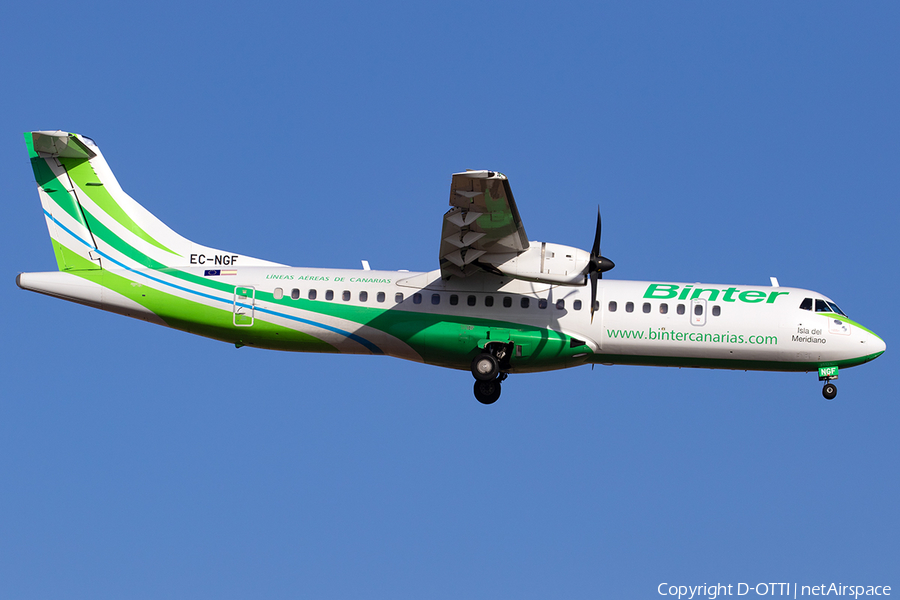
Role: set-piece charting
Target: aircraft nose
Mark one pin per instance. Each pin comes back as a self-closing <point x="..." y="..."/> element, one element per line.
<point x="878" y="346"/>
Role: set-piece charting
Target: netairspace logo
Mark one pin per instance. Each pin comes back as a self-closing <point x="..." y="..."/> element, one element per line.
<point x="794" y="590"/>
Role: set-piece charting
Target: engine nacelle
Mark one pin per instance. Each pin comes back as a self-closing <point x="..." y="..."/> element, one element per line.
<point x="544" y="263"/>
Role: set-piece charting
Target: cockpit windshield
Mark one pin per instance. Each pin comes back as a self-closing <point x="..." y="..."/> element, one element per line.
<point x="825" y="306"/>
<point x="836" y="309"/>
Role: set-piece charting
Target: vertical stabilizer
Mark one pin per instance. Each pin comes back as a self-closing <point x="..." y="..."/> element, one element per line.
<point x="93" y="223"/>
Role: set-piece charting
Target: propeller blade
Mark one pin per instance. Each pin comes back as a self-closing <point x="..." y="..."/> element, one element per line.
<point x="597" y="265"/>
<point x="595" y="249"/>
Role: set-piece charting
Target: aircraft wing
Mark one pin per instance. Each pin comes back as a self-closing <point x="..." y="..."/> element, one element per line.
<point x="482" y="220"/>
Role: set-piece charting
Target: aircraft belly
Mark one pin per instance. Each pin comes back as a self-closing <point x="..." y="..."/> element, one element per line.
<point x="454" y="342"/>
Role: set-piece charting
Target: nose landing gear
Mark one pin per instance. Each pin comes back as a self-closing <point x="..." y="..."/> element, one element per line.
<point x="489" y="369"/>
<point x="827" y="374"/>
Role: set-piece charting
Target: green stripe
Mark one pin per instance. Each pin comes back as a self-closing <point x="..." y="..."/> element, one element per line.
<point x="54" y="188"/>
<point x="102" y="232"/>
<point x="29" y="144"/>
<point x="82" y="173"/>
<point x="850" y="322"/>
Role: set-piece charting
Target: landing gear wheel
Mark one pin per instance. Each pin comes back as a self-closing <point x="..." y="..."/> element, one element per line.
<point x="487" y="392"/>
<point x="485" y="367"/>
<point x="829" y="391"/>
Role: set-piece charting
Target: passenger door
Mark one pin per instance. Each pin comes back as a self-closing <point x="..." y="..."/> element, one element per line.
<point x="698" y="311"/>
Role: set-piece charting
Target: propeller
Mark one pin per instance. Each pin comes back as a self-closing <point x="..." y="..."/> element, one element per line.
<point x="597" y="266"/>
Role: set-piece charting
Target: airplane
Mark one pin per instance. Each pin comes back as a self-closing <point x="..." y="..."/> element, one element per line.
<point x="498" y="303"/>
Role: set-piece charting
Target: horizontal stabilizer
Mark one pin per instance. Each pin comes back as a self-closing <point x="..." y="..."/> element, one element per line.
<point x="59" y="143"/>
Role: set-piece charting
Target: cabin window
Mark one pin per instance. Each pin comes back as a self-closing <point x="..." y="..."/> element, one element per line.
<point x="435" y="299"/>
<point x="417" y="298"/>
<point x="454" y="299"/>
<point x="526" y="302"/>
<point x="329" y="295"/>
<point x="542" y="303"/>
<point x="717" y="310"/>
<point x="507" y="302"/>
<point x="346" y="296"/>
<point x="561" y="305"/>
<point x="278" y="294"/>
<point x="663" y="308"/>
<point x="646" y="308"/>
<point x="613" y="306"/>
<point x="311" y="295"/>
<point x="680" y="309"/>
<point x="806" y="304"/>
<point x="488" y="300"/>
<point x="295" y="294"/>
<point x="576" y="305"/>
<point x="363" y="296"/>
<point x="470" y="300"/>
<point x="629" y="307"/>
<point x="596" y="305"/>
<point x="380" y="297"/>
<point x="698" y="309"/>
<point x="398" y="297"/>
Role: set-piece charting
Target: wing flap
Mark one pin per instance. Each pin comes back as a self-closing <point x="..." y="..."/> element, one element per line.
<point x="483" y="219"/>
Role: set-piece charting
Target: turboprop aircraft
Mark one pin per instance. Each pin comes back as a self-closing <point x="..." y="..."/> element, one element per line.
<point x="498" y="303"/>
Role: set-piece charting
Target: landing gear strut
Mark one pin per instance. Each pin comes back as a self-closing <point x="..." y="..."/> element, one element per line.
<point x="489" y="369"/>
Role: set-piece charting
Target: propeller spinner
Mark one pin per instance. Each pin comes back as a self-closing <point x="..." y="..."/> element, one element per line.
<point x="597" y="266"/>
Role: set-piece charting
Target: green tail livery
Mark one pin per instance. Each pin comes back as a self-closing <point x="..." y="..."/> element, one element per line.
<point x="497" y="304"/>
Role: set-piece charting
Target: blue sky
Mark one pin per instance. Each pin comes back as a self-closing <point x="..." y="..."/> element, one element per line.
<point x="725" y="142"/>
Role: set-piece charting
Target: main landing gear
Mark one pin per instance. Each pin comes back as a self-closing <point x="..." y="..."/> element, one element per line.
<point x="489" y="369"/>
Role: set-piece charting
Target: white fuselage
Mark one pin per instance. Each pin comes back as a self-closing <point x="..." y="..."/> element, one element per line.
<point x="636" y="322"/>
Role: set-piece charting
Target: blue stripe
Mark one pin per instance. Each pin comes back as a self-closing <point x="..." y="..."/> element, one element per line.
<point x="372" y="347"/>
